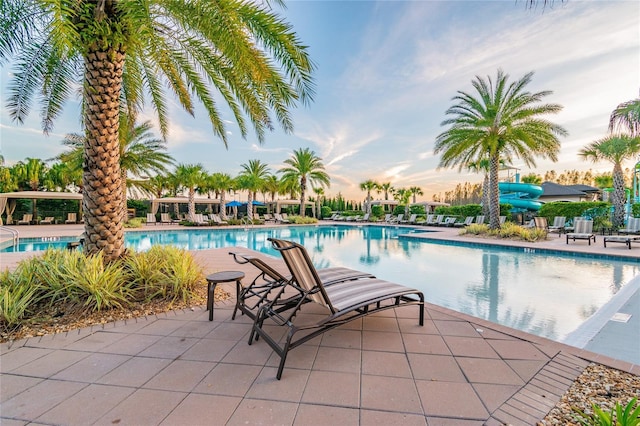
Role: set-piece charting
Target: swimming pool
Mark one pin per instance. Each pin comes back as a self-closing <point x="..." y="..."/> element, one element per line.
<point x="548" y="295"/>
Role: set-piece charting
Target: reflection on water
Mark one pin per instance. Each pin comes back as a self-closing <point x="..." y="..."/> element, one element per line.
<point x="542" y="294"/>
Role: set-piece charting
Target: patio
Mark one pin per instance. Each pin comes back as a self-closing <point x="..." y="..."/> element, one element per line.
<point x="179" y="368"/>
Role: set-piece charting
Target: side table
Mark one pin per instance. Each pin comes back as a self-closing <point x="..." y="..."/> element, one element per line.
<point x="220" y="277"/>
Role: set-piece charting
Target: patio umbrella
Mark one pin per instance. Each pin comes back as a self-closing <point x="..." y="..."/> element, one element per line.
<point x="257" y="203"/>
<point x="234" y="203"/>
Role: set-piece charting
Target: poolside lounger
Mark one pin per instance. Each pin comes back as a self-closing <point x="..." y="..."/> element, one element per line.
<point x="480" y="219"/>
<point x="166" y="218"/>
<point x="71" y="218"/>
<point x="627" y="239"/>
<point x="26" y="219"/>
<point x="217" y="220"/>
<point x="250" y="296"/>
<point x="343" y="302"/>
<point x="467" y="221"/>
<point x="583" y="230"/>
<point x="440" y="220"/>
<point x="633" y="226"/>
<point x="412" y="219"/>
<point x="151" y="218"/>
<point x="540" y="222"/>
<point x="48" y="220"/>
<point x="558" y="225"/>
<point x="200" y="220"/>
<point x="280" y="218"/>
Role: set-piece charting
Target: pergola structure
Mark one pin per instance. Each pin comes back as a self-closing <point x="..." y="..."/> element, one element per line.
<point x="155" y="203"/>
<point x="8" y="200"/>
<point x="429" y="206"/>
<point x="277" y="205"/>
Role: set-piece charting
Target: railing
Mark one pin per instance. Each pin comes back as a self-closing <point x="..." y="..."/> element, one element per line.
<point x="14" y="234"/>
<point x="246" y="221"/>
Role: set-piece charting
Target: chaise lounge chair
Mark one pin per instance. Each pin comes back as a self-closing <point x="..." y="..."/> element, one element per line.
<point x="467" y="221"/>
<point x="252" y="296"/>
<point x="343" y="302"/>
<point x="151" y="218"/>
<point x="71" y="218"/>
<point x="49" y="220"/>
<point x="626" y="239"/>
<point x="26" y="219"/>
<point x="582" y="230"/>
<point x="633" y="226"/>
<point x="558" y="225"/>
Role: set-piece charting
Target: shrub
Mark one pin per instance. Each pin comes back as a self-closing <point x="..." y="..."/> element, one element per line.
<point x="325" y="211"/>
<point x="377" y="211"/>
<point x="508" y="230"/>
<point x="299" y="220"/>
<point x="462" y="211"/>
<point x="134" y="223"/>
<point x="570" y="210"/>
<point x="17" y="295"/>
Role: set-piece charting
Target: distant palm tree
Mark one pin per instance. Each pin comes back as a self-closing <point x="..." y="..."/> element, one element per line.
<point x="503" y="122"/>
<point x="252" y="178"/>
<point x="272" y="186"/>
<point x="305" y="167"/>
<point x="224" y="51"/>
<point x="415" y="191"/>
<point x="626" y="117"/>
<point x="368" y="185"/>
<point x="224" y="183"/>
<point x="386" y="188"/>
<point x="615" y="149"/>
<point x="319" y="196"/>
<point x="190" y="177"/>
<point x="30" y="174"/>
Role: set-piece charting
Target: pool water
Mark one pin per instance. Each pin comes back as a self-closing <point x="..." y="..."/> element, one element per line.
<point x="549" y="295"/>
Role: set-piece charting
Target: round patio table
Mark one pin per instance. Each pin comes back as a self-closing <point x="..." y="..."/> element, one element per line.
<point x="220" y="277"/>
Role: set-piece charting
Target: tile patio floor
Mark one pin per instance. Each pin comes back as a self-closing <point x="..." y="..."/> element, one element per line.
<point x="180" y="369"/>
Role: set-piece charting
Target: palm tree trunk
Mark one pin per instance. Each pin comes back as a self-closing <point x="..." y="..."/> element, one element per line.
<point x="303" y="189"/>
<point x="250" y="206"/>
<point x="494" y="193"/>
<point x="125" y="212"/>
<point x="102" y="197"/>
<point x="618" y="198"/>
<point x="485" y="195"/>
<point x="192" y="204"/>
<point x="223" y="205"/>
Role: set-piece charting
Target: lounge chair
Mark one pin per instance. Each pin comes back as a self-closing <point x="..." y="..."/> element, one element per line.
<point x="540" y="222"/>
<point x="269" y="218"/>
<point x="49" y="220"/>
<point x="626" y="239"/>
<point x="364" y="218"/>
<point x="583" y="230"/>
<point x="558" y="225"/>
<point x="431" y="219"/>
<point x="252" y="296"/>
<point x="633" y="226"/>
<point x="530" y="224"/>
<point x="280" y="219"/>
<point x="412" y="219"/>
<point x="502" y="220"/>
<point x="71" y="218"/>
<point x="467" y="221"/>
<point x="151" y="218"/>
<point x="388" y="217"/>
<point x="344" y="302"/>
<point x="217" y="220"/>
<point x="480" y="219"/>
<point x="166" y="218"/>
<point x="199" y="220"/>
<point x="439" y="221"/>
<point x="26" y="219"/>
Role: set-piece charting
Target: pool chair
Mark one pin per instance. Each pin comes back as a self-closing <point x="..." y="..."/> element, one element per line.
<point x="582" y="230"/>
<point x="626" y="239"/>
<point x="480" y="219"/>
<point x="540" y="222"/>
<point x="252" y="296"/>
<point x="502" y="220"/>
<point x="412" y="219"/>
<point x="165" y="218"/>
<point x="217" y="220"/>
<point x="364" y="218"/>
<point x="467" y="221"/>
<point x="280" y="219"/>
<point x="49" y="220"/>
<point x="151" y="218"/>
<point x="71" y="218"/>
<point x="340" y="303"/>
<point x="558" y="225"/>
<point x="199" y="220"/>
<point x="633" y="226"/>
<point x="26" y="219"/>
<point x="439" y="221"/>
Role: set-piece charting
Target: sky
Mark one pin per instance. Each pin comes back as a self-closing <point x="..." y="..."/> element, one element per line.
<point x="387" y="71"/>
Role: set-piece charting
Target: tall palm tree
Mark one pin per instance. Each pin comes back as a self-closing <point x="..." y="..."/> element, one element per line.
<point x="502" y="123"/>
<point x="615" y="149"/>
<point x="307" y="168"/>
<point x="224" y="183"/>
<point x="368" y="185"/>
<point x="252" y="178"/>
<point x="402" y="195"/>
<point x="415" y="191"/>
<point x="482" y="166"/>
<point x="190" y="177"/>
<point x="626" y="117"/>
<point x="386" y="188"/>
<point x="319" y="191"/>
<point x="141" y="154"/>
<point x="272" y="186"/>
<point x="238" y="51"/>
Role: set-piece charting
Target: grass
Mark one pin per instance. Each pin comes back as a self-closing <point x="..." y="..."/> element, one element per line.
<point x="507" y="231"/>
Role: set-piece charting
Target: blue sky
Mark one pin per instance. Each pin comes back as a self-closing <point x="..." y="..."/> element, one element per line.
<point x="386" y="73"/>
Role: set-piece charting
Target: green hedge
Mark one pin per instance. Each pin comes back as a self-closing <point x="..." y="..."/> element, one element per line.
<point x="325" y="211"/>
<point x="471" y="210"/>
<point x="571" y="210"/>
<point x="635" y="210"/>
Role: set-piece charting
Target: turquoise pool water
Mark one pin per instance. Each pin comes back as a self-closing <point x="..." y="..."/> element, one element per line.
<point x="548" y="295"/>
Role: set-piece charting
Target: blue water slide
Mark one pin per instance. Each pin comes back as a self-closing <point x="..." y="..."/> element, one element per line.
<point x="522" y="196"/>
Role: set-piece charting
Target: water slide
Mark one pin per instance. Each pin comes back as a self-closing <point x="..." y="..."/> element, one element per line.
<point x="522" y="196"/>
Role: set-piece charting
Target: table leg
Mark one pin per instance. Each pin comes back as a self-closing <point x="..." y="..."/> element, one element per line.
<point x="211" y="288"/>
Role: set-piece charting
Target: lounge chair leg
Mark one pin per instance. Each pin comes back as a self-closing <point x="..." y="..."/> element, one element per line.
<point x="285" y="351"/>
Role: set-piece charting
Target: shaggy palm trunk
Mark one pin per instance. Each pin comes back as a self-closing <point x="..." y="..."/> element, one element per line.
<point x="485" y="195"/>
<point x="618" y="198"/>
<point x="250" y="206"/>
<point x="192" y="204"/>
<point x="102" y="201"/>
<point x="303" y="189"/>
<point x="125" y="211"/>
<point x="223" y="205"/>
<point x="494" y="194"/>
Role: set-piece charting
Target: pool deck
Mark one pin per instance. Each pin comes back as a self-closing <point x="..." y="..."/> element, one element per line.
<point x="179" y="368"/>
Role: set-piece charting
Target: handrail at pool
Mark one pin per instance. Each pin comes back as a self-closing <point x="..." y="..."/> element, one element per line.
<point x="15" y="236"/>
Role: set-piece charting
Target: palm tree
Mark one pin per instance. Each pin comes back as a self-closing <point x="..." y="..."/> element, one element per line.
<point x="402" y="195"/>
<point x="415" y="190"/>
<point x="368" y="185"/>
<point x="224" y="183"/>
<point x="483" y="166"/>
<point x="141" y="154"/>
<point x="252" y="178"/>
<point x="502" y="123"/>
<point x="319" y="196"/>
<point x="272" y="186"/>
<point x="305" y="167"/>
<point x="29" y="175"/>
<point x="615" y="149"/>
<point x="241" y="52"/>
<point x="626" y="117"/>
<point x="190" y="177"/>
<point x="386" y="188"/>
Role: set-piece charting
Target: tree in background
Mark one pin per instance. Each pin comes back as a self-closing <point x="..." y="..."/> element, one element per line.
<point x="402" y="195"/>
<point x="190" y="176"/>
<point x="482" y="166"/>
<point x="319" y="191"/>
<point x="238" y="52"/>
<point x="615" y="149"/>
<point x="531" y="178"/>
<point x="415" y="191"/>
<point x="368" y="185"/>
<point x="30" y="174"/>
<point x="501" y="123"/>
<point x="223" y="183"/>
<point x="305" y="167"/>
<point x="626" y="118"/>
<point x="251" y="178"/>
